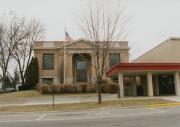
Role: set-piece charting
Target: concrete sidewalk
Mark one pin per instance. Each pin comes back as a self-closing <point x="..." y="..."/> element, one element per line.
<point x="65" y="99"/>
<point x="58" y="100"/>
<point x="172" y="98"/>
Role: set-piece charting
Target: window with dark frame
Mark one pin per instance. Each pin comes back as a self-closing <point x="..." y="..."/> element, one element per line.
<point x="48" y="61"/>
<point x="114" y="59"/>
<point x="81" y="71"/>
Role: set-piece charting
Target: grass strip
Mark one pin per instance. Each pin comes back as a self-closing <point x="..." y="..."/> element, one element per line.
<point x="84" y="105"/>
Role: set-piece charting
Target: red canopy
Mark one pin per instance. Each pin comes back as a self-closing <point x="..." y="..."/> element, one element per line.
<point x="123" y="67"/>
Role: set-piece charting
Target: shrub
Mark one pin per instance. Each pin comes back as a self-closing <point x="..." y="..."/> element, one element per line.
<point x="44" y="89"/>
<point x="109" y="88"/>
<point x="68" y="88"/>
<point x="38" y="87"/>
<point x="76" y="88"/>
<point x="113" y="88"/>
<point x="23" y="87"/>
<point x="104" y="88"/>
<point x="84" y="88"/>
<point x="105" y="81"/>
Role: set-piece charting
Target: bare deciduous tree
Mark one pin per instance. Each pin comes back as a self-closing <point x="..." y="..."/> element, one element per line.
<point x="102" y="24"/>
<point x="23" y="52"/>
<point x="10" y="30"/>
<point x="1" y="51"/>
<point x="17" y="35"/>
<point x="14" y="78"/>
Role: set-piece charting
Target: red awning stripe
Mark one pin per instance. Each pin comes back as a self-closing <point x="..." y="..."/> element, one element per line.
<point x="143" y="67"/>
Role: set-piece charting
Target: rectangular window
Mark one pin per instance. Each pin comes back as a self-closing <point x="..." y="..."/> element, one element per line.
<point x="48" y="61"/>
<point x="114" y="59"/>
<point x="47" y="80"/>
<point x="81" y="71"/>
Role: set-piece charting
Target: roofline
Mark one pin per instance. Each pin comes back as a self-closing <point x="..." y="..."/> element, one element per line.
<point x="77" y="40"/>
<point x="174" y="38"/>
<point x="143" y="67"/>
<point x="163" y="42"/>
<point x="48" y="41"/>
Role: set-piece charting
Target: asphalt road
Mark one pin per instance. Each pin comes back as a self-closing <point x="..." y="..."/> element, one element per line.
<point x="128" y="117"/>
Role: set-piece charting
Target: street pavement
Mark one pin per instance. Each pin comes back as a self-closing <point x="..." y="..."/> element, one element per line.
<point x="105" y="117"/>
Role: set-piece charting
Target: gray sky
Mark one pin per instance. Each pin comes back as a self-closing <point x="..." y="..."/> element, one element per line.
<point x="150" y="21"/>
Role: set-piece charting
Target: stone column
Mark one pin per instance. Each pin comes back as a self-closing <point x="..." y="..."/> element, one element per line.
<point x="177" y="83"/>
<point x="69" y="69"/>
<point x="93" y="70"/>
<point x="121" y="85"/>
<point x="150" y="84"/>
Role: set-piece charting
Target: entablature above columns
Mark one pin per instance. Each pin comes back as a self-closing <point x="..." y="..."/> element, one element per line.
<point x="74" y="51"/>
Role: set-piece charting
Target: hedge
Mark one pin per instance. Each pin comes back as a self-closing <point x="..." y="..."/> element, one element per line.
<point x="76" y="88"/>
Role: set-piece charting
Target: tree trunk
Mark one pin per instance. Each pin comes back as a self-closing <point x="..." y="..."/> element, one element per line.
<point x="14" y="85"/>
<point x="22" y="80"/>
<point x="99" y="90"/>
<point x="4" y="82"/>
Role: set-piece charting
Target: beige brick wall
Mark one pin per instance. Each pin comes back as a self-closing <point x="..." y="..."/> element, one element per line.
<point x="78" y="47"/>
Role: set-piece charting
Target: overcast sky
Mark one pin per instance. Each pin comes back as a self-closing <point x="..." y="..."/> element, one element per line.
<point x="150" y="21"/>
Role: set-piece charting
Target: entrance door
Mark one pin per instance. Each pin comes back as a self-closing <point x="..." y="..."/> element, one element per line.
<point x="140" y="91"/>
<point x="166" y="85"/>
<point x="81" y="71"/>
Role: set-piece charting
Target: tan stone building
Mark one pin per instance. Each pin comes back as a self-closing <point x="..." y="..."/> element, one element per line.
<point x="157" y="72"/>
<point x="78" y="60"/>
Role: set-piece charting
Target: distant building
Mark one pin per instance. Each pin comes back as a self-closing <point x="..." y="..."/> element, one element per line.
<point x="166" y="52"/>
<point x="154" y="73"/>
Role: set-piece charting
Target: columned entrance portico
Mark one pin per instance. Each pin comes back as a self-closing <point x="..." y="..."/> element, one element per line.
<point x="146" y="83"/>
<point x="147" y="79"/>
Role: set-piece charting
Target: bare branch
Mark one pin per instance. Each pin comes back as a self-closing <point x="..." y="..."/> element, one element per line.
<point x="17" y="35"/>
<point x="103" y="25"/>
